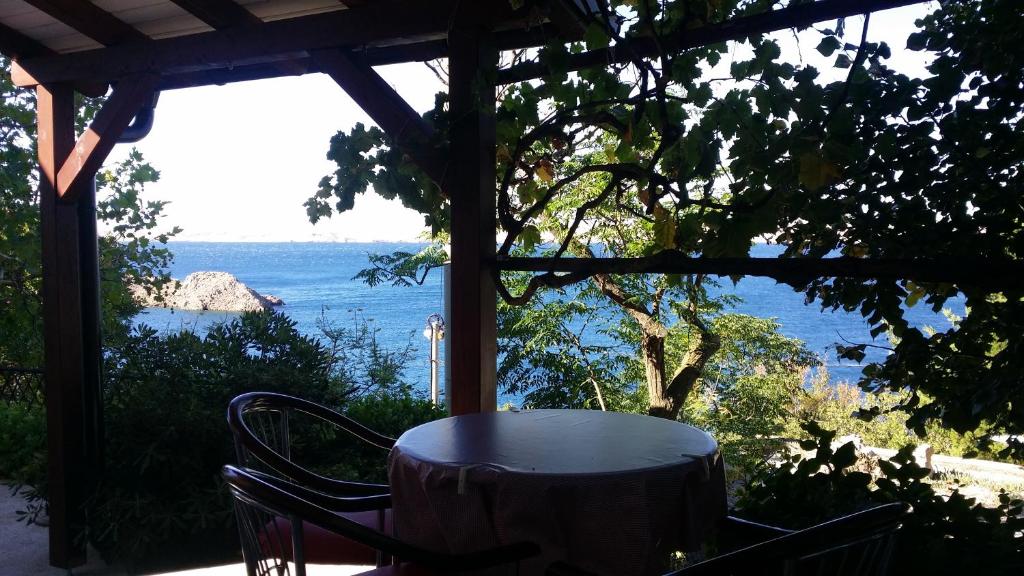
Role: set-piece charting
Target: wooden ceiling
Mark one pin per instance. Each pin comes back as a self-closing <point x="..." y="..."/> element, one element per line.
<point x="198" y="42"/>
<point x="65" y="26"/>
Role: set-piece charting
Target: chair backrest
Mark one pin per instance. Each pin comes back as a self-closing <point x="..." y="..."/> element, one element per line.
<point x="259" y="499"/>
<point x="261" y="424"/>
<point x="859" y="544"/>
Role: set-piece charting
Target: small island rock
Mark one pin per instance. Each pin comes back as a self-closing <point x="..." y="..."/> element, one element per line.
<point x="209" y="291"/>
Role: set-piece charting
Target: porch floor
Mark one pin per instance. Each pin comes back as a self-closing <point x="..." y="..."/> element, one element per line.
<point x="24" y="551"/>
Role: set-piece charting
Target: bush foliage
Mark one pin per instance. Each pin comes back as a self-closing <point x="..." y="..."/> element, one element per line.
<point x="943" y="534"/>
<point x="165" y="399"/>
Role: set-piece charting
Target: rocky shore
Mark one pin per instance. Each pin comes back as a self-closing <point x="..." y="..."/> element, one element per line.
<point x="208" y="291"/>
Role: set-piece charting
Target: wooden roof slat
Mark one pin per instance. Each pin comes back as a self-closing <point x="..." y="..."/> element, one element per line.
<point x="155" y="18"/>
<point x="376" y="22"/>
<point x="17" y="45"/>
<point x="270" y="10"/>
<point x="90" y="20"/>
<point x="218" y="13"/>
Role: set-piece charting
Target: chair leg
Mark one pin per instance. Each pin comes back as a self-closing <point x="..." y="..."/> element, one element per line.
<point x="382" y="559"/>
<point x="298" y="552"/>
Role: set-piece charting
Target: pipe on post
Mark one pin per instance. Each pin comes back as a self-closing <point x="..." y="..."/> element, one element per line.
<point x="92" y="343"/>
<point x="92" y="315"/>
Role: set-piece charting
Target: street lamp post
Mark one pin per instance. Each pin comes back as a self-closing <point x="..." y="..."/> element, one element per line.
<point x="435" y="333"/>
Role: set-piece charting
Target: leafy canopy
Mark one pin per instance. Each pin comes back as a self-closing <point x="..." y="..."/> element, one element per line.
<point x="825" y="151"/>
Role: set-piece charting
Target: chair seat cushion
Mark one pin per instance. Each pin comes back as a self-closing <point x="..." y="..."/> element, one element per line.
<point x="323" y="546"/>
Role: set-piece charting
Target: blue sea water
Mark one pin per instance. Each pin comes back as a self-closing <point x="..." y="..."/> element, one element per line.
<point x="316" y="280"/>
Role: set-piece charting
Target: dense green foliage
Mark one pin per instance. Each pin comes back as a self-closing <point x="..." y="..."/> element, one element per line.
<point x="22" y="445"/>
<point x="823" y="150"/>
<point x="944" y="535"/>
<point x="166" y="436"/>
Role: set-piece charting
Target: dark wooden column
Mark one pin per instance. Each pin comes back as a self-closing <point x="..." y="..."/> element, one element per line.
<point x="471" y="187"/>
<point x="62" y="320"/>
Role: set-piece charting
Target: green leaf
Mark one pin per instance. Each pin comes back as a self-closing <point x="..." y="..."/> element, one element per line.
<point x="816" y="172"/>
<point x="596" y="37"/>
<point x="916" y="41"/>
<point x="664" y="227"/>
<point x="914" y="295"/>
<point x="828" y="45"/>
<point x="845" y="456"/>
<point x="530" y="238"/>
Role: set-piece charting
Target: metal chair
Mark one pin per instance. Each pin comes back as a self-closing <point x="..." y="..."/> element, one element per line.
<point x="859" y="544"/>
<point x="262" y="426"/>
<point x="260" y="498"/>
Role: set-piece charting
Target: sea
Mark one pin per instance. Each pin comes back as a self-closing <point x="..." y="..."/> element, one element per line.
<point x="317" y="283"/>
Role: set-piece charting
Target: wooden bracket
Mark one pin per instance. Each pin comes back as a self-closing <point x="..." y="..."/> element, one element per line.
<point x="386" y="107"/>
<point x="99" y="138"/>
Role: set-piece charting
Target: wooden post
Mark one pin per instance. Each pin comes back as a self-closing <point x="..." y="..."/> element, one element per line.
<point x="62" y="322"/>
<point x="471" y="188"/>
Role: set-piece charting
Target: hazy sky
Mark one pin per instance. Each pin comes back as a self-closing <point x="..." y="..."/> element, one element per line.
<point x="238" y="161"/>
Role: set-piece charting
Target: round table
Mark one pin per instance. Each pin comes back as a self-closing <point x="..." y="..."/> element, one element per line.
<point x="612" y="493"/>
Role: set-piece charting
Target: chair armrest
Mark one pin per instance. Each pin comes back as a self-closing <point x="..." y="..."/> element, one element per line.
<point x="345" y="488"/>
<point x="874" y="522"/>
<point x="333" y="502"/>
<point x="738" y="533"/>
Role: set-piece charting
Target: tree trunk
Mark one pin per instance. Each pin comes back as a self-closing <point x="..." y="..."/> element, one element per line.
<point x="666" y="400"/>
<point x="690" y="369"/>
<point x="659" y="403"/>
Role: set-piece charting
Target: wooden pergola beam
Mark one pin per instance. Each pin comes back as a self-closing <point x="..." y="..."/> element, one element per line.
<point x="100" y="137"/>
<point x="218" y="14"/>
<point x="254" y="44"/>
<point x="798" y="16"/>
<point x="387" y="108"/>
<point x="372" y="56"/>
<point x="89" y="19"/>
<point x="981" y="272"/>
<point x="18" y="46"/>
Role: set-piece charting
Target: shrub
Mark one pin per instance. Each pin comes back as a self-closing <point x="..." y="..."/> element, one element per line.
<point x="839" y="406"/>
<point x="389" y="412"/>
<point x="166" y="436"/>
<point x="942" y="535"/>
<point x="160" y="498"/>
<point x="23" y="445"/>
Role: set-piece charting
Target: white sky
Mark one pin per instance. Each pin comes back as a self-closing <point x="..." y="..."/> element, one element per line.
<point x="238" y="161"/>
